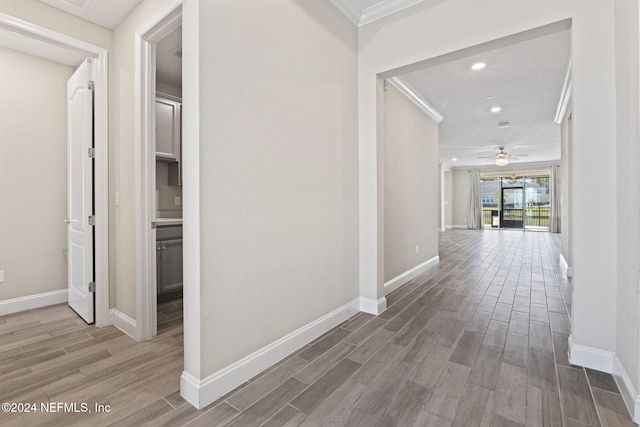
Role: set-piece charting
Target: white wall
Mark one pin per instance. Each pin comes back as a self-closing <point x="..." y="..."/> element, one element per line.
<point x="33" y="174"/>
<point x="627" y="188"/>
<point x="430" y="29"/>
<point x="566" y="187"/>
<point x="278" y="172"/>
<point x="461" y="192"/>
<point x="411" y="185"/>
<point x="448" y="199"/>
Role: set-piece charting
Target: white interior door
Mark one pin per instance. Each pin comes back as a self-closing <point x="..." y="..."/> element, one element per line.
<point x="80" y="190"/>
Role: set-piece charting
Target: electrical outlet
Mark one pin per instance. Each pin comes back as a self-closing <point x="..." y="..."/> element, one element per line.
<point x="177" y="201"/>
<point x="116" y="198"/>
<point x="1" y="276"/>
<point x="417" y="249"/>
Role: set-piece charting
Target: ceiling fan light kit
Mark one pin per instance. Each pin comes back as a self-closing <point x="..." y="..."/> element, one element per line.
<point x="502" y="158"/>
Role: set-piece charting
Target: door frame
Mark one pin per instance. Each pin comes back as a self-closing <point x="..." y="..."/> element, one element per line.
<point x="101" y="131"/>
<point x="502" y="189"/>
<point x="167" y="19"/>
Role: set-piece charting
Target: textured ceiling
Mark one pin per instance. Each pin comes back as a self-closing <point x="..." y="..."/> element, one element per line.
<point x="524" y="79"/>
<point x="106" y="13"/>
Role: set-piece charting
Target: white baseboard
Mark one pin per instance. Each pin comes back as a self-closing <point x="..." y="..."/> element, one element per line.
<point x="627" y="390"/>
<point x="408" y="275"/>
<point x="565" y="265"/>
<point x="124" y="323"/>
<point x="448" y="226"/>
<point x="563" y="262"/>
<point x="609" y="362"/>
<point x="30" y="302"/>
<point x="372" y="306"/>
<point x="201" y="393"/>
<point x="464" y="226"/>
<point x="590" y="357"/>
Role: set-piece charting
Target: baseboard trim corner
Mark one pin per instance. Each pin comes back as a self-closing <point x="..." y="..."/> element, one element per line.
<point x="202" y="392"/>
<point x="565" y="266"/>
<point x="124" y="323"/>
<point x="590" y="357"/>
<point x="372" y="306"/>
<point x="189" y="389"/>
<point x="409" y="275"/>
<point x="609" y="362"/>
<point x="627" y="390"/>
<point x="16" y="305"/>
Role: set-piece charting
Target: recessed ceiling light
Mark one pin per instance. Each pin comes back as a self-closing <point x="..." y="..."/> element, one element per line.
<point x="489" y="98"/>
<point x="496" y="109"/>
<point x="455" y="159"/>
<point x="478" y="66"/>
<point x="503" y="125"/>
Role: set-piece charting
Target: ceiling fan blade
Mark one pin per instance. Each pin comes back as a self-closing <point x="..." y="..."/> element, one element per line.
<point x="486" y="157"/>
<point x="514" y="158"/>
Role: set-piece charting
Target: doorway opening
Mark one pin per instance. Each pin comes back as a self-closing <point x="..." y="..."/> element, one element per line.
<point x="159" y="173"/>
<point x="495" y="109"/>
<point x="92" y="266"/>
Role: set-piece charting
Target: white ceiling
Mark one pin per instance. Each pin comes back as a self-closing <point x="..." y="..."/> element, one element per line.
<point x="526" y="80"/>
<point x="168" y="65"/>
<point x="106" y="13"/>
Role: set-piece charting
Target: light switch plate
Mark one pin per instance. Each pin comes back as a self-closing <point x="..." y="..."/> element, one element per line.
<point x="177" y="201"/>
<point x="1" y="276"/>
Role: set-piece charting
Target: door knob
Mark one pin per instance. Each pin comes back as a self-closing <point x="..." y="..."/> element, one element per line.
<point x="69" y="221"/>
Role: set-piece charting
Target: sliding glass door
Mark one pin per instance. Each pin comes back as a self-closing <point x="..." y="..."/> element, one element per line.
<point x="516" y="200"/>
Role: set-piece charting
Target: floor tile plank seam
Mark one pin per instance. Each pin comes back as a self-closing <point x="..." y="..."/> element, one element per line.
<point x="593" y="398"/>
<point x="346" y="356"/>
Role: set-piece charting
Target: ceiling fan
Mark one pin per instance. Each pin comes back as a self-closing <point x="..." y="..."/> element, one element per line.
<point x="502" y="158"/>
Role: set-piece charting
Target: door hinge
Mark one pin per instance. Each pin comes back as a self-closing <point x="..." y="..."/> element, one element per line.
<point x="92" y="85"/>
<point x="92" y="220"/>
<point x="92" y="153"/>
<point x="92" y="287"/>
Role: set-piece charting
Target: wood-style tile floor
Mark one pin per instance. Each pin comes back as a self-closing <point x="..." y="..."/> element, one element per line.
<point x="480" y="340"/>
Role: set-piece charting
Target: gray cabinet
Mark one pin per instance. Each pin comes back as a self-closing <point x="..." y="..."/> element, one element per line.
<point x="169" y="260"/>
<point x="168" y="129"/>
<point x="169" y="135"/>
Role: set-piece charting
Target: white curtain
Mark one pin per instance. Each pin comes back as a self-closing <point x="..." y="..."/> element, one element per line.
<point x="554" y="198"/>
<point x="474" y="217"/>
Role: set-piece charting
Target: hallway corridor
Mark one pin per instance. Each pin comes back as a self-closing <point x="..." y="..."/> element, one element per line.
<point x="479" y="340"/>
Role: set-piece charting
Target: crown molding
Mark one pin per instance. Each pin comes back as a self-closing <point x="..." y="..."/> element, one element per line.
<point x="384" y="9"/>
<point x="565" y="97"/>
<point x="380" y="10"/>
<point x="416" y="98"/>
